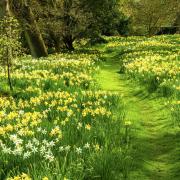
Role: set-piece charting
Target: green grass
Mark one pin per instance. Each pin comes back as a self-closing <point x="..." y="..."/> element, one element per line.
<point x="154" y="138"/>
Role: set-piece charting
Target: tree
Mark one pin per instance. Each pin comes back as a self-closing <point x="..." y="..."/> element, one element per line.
<point x="59" y="23"/>
<point x="106" y="16"/>
<point x="150" y="15"/>
<point x="64" y="21"/>
<point x="177" y="22"/>
<point x="23" y="12"/>
<point x="9" y="40"/>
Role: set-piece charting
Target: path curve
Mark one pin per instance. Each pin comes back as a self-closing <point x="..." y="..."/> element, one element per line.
<point x="153" y="140"/>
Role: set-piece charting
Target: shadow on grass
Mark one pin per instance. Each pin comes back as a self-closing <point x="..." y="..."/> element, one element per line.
<point x="156" y="157"/>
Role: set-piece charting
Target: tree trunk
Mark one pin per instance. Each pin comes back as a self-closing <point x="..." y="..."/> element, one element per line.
<point x="9" y="53"/>
<point x="33" y="35"/>
<point x="67" y="23"/>
<point x="177" y="22"/>
<point x="56" y="41"/>
<point x="5" y="11"/>
<point x="2" y="9"/>
<point x="35" y="40"/>
<point x="9" y="75"/>
<point x="68" y="41"/>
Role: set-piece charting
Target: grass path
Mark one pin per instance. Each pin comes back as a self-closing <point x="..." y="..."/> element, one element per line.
<point x="154" y="141"/>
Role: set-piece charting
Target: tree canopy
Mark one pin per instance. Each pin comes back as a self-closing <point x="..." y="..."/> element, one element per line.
<point x="53" y="25"/>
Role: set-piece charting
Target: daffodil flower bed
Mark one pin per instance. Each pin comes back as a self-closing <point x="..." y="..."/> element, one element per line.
<point x="46" y="125"/>
<point x="53" y="71"/>
<point x="58" y="125"/>
<point x="154" y="62"/>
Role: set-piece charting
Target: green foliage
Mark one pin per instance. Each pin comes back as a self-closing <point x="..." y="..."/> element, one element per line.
<point x="149" y="16"/>
<point x="63" y="22"/>
<point x="10" y="46"/>
<point x="9" y="40"/>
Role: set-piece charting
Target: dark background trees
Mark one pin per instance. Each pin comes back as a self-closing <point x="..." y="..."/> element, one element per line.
<point x="57" y="24"/>
<point x="52" y="25"/>
<point x="149" y="16"/>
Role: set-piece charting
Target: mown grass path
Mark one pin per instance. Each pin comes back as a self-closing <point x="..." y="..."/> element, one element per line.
<point x="154" y="141"/>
